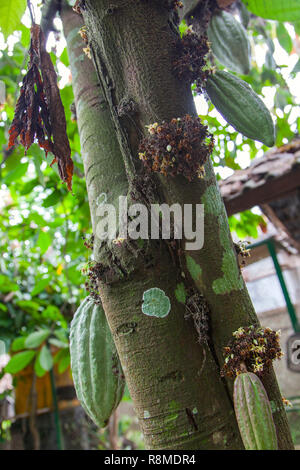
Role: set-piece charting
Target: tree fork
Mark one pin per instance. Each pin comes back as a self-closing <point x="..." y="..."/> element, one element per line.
<point x="135" y="56"/>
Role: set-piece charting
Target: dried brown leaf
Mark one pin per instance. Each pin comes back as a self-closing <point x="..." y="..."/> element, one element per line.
<point x="39" y="113"/>
<point x="61" y="146"/>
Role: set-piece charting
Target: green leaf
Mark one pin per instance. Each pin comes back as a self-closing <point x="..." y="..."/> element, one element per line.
<point x="183" y="27"/>
<point x="60" y="355"/>
<point x="28" y="305"/>
<point x="281" y="10"/>
<point x="16" y="173"/>
<point x="18" y="343"/>
<point x="156" y="303"/>
<point x="5" y="322"/>
<point x="28" y="186"/>
<point x="38" y="219"/>
<point x="6" y="285"/>
<point x="11" y="12"/>
<point x="284" y="38"/>
<point x="56" y="342"/>
<point x="37" y="163"/>
<point x="25" y="38"/>
<point x="46" y="360"/>
<point x="297" y="28"/>
<point x="61" y="335"/>
<point x="52" y="199"/>
<point x="37" y="338"/>
<point x="52" y="312"/>
<point x="39" y="370"/>
<point x="41" y="284"/>
<point x="44" y="241"/>
<point x="19" y="361"/>
<point x="14" y="160"/>
<point x="64" y="363"/>
<point x="64" y="58"/>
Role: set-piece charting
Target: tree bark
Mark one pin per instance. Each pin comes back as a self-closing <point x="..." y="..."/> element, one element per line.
<point x="174" y="381"/>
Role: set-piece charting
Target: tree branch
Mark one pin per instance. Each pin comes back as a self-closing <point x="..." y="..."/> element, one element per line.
<point x="49" y="10"/>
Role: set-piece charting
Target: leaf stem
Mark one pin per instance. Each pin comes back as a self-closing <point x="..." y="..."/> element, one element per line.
<point x="30" y="8"/>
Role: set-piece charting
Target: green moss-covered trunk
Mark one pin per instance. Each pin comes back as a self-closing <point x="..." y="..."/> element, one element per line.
<point x="174" y="380"/>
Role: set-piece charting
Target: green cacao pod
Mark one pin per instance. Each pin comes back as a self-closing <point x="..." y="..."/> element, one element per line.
<point x="241" y="106"/>
<point x="229" y="42"/>
<point x="253" y="413"/>
<point x="96" y="369"/>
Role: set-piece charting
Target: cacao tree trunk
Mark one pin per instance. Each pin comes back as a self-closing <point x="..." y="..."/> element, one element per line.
<point x="173" y="375"/>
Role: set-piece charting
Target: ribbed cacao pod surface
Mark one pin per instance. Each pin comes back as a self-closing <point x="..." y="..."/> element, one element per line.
<point x="253" y="413"/>
<point x="241" y="107"/>
<point x="229" y="42"/>
<point x="96" y="369"/>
